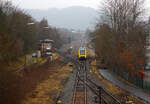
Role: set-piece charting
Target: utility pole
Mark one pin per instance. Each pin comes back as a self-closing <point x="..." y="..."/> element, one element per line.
<point x="25" y="62"/>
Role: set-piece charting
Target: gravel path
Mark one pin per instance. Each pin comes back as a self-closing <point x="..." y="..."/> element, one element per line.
<point x="68" y="89"/>
<point x="133" y="90"/>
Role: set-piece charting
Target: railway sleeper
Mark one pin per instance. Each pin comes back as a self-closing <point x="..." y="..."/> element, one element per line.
<point x="80" y="89"/>
<point x="79" y="98"/>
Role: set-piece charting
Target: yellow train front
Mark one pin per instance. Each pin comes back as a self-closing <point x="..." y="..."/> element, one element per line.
<point x="82" y="54"/>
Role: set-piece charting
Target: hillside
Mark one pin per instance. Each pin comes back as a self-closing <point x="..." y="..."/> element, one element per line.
<point x="71" y="18"/>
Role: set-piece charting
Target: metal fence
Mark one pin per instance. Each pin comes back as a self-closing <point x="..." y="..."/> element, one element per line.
<point x="139" y="82"/>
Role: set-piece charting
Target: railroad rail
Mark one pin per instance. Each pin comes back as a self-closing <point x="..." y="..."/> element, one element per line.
<point x="82" y="82"/>
<point x="80" y="88"/>
<point x="103" y="97"/>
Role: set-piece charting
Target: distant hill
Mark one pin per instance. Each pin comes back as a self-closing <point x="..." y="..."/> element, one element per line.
<point x="72" y="17"/>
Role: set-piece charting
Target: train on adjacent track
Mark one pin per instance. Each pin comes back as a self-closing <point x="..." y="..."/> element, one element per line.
<point x="82" y="54"/>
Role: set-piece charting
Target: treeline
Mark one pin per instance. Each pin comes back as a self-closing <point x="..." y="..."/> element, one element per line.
<point x="20" y="33"/>
<point x="120" y="36"/>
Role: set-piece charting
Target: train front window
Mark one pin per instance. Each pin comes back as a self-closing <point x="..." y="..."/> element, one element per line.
<point x="82" y="52"/>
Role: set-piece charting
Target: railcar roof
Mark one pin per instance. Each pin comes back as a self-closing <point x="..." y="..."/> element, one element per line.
<point x="82" y="48"/>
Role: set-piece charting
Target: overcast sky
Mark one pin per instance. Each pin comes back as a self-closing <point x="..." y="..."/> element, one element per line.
<point x="44" y="4"/>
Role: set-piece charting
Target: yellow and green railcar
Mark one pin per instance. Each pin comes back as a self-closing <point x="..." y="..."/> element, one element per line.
<point x="82" y="53"/>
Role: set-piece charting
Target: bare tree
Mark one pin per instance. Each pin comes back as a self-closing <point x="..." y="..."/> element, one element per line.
<point x="122" y="34"/>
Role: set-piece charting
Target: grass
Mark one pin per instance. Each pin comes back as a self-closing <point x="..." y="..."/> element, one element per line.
<point x="46" y="91"/>
<point x="29" y="61"/>
<point x="114" y="90"/>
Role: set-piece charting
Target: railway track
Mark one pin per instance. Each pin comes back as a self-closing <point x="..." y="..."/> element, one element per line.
<point x="102" y="95"/>
<point x="82" y="82"/>
<point x="80" y="88"/>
